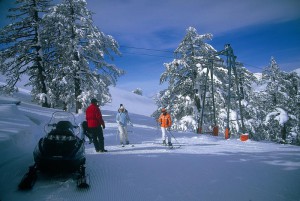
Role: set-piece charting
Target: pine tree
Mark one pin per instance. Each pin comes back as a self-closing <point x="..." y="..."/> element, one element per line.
<point x="78" y="64"/>
<point x="138" y="91"/>
<point x="22" y="52"/>
<point x="186" y="75"/>
<point x="198" y="88"/>
<point x="245" y="81"/>
<point x="279" y="103"/>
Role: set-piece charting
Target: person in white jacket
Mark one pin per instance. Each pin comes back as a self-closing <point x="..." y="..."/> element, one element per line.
<point x="123" y="119"/>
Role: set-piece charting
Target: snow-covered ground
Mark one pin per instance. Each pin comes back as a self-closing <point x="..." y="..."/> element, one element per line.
<point x="204" y="168"/>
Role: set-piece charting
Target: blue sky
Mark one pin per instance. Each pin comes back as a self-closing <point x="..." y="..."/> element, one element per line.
<point x="148" y="31"/>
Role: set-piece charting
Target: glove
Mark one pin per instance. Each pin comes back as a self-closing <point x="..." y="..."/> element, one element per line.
<point x="103" y="126"/>
<point x="168" y="128"/>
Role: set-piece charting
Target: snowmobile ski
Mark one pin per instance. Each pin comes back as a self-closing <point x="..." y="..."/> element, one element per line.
<point x="28" y="179"/>
<point x="83" y="180"/>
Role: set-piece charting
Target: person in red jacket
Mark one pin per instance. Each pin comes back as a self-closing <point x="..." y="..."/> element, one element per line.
<point x="95" y="121"/>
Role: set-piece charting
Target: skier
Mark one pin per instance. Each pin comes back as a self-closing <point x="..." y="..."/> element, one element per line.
<point x="122" y="118"/>
<point x="95" y="121"/>
<point x="165" y="124"/>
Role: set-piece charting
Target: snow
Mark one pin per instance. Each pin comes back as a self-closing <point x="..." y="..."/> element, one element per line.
<point x="134" y="103"/>
<point x="280" y="115"/>
<point x="205" y="167"/>
<point x="8" y="100"/>
<point x="297" y="71"/>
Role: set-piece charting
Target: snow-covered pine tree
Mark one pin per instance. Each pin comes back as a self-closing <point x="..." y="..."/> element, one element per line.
<point x="196" y="69"/>
<point x="186" y="75"/>
<point x="292" y="81"/>
<point x="280" y="104"/>
<point x="79" y="69"/>
<point x="245" y="80"/>
<point x="162" y="100"/>
<point x="138" y="91"/>
<point x="21" y="50"/>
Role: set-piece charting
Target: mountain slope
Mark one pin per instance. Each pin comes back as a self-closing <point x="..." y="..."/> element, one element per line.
<point x="133" y="103"/>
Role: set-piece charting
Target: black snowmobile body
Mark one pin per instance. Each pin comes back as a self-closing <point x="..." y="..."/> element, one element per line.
<point x="61" y="150"/>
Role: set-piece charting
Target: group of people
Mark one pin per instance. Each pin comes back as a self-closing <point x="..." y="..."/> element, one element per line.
<point x="94" y="125"/>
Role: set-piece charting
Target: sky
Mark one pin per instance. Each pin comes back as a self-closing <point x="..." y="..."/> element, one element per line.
<point x="148" y="32"/>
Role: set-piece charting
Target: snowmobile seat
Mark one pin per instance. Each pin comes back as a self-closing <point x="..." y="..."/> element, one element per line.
<point x="64" y="125"/>
<point x="63" y="128"/>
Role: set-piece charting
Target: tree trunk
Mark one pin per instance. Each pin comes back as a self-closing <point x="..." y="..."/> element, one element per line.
<point x="41" y="79"/>
<point x="283" y="132"/>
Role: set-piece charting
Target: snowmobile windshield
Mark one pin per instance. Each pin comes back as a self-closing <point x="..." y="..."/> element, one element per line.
<point x="62" y="121"/>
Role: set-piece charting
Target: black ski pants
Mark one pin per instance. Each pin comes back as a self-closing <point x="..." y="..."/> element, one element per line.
<point x="98" y="138"/>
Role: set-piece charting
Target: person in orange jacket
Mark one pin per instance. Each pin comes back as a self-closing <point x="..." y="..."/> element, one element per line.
<point x="165" y="123"/>
<point x="94" y="122"/>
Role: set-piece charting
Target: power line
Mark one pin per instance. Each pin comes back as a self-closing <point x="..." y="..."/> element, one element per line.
<point x="141" y="48"/>
<point x="167" y="51"/>
<point x="253" y="66"/>
<point x="152" y="55"/>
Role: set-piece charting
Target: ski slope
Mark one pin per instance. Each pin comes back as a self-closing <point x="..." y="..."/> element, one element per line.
<point x="204" y="168"/>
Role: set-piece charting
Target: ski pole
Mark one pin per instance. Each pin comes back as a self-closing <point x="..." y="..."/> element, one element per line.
<point x="174" y="138"/>
<point x="157" y="126"/>
<point x="117" y="133"/>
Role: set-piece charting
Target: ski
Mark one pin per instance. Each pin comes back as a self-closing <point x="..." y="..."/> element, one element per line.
<point x="127" y="145"/>
<point x="171" y="146"/>
<point x="174" y="147"/>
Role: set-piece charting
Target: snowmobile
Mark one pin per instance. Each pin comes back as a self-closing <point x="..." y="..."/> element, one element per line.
<point x="59" y="151"/>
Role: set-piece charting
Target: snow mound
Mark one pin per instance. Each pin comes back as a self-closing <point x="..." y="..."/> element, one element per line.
<point x="9" y="100"/>
<point x="134" y="103"/>
<point x="15" y="130"/>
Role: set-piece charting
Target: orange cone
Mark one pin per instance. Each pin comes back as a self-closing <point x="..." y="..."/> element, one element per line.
<point x="215" y="130"/>
<point x="244" y="137"/>
<point x="227" y="133"/>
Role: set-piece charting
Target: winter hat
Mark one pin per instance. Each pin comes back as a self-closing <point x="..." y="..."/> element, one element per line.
<point x="94" y="100"/>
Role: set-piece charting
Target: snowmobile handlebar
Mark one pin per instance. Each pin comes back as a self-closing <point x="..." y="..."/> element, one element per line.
<point x="55" y="124"/>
